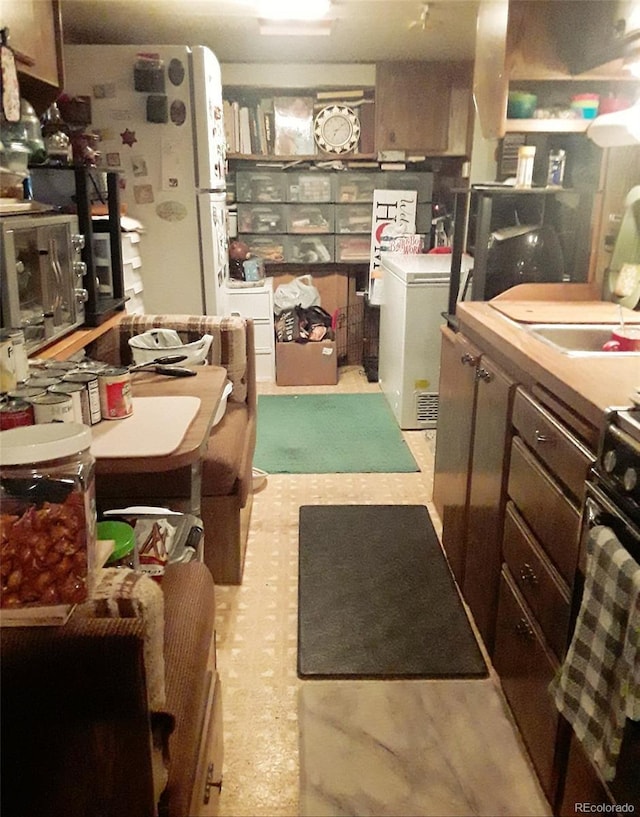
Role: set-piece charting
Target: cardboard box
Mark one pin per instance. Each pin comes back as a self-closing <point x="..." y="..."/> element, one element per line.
<point x="307" y="364"/>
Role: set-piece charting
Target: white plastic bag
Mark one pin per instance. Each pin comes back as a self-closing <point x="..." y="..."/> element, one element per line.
<point x="299" y="292"/>
<point x="156" y="342"/>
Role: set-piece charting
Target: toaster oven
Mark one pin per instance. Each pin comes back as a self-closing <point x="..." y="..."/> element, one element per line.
<point x="41" y="289"/>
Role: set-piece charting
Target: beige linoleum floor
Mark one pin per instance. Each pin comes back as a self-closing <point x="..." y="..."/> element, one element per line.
<point x="257" y="622"/>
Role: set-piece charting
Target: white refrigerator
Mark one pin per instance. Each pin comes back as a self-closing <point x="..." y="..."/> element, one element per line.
<point x="158" y="110"/>
<point x="414" y="296"/>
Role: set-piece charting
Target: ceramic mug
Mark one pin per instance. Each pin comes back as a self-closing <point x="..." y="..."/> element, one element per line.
<point x="623" y="339"/>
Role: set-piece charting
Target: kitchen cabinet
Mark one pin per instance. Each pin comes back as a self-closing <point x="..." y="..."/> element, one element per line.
<point x="424" y="108"/>
<point x="470" y="461"/>
<point x="530" y="45"/>
<point x="456" y="410"/>
<point x="545" y="488"/>
<point x="526" y="668"/>
<point x="486" y="495"/>
<point x="35" y="35"/>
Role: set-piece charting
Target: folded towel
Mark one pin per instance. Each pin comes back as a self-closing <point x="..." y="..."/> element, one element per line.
<point x="598" y="685"/>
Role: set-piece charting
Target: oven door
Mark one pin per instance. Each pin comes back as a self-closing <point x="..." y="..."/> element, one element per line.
<point x="601" y="508"/>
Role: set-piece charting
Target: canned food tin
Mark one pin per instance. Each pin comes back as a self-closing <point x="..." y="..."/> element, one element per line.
<point x="20" y="359"/>
<point x="65" y="365"/>
<point x="42" y="381"/>
<point x="90" y="381"/>
<point x="53" y="408"/>
<point x="26" y="392"/>
<point x="14" y="413"/>
<point x="8" y="378"/>
<point x="115" y="393"/>
<point x="52" y="371"/>
<point x="79" y="397"/>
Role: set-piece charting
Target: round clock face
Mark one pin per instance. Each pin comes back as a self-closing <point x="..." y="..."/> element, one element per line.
<point x="337" y="129"/>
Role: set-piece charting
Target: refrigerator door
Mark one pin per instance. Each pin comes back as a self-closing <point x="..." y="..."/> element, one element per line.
<point x="212" y="214"/>
<point x="210" y="144"/>
<point x="153" y="148"/>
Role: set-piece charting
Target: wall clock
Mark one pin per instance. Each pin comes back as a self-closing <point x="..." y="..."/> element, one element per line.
<point x="337" y="129"/>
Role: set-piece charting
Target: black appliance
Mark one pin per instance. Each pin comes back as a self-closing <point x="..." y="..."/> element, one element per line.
<point x="612" y="498"/>
<point x="523" y="254"/>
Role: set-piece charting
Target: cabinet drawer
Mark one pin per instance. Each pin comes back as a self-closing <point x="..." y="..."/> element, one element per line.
<point x="270" y="248"/>
<point x="537" y="580"/>
<point x="565" y="456"/>
<point x="548" y="512"/>
<point x="251" y="302"/>
<point x="309" y="249"/>
<point x="309" y="187"/>
<point x="263" y="334"/>
<point x="265" y="366"/>
<point x="208" y="781"/>
<point x="352" y="186"/>
<point x="310" y="218"/>
<point x="263" y="186"/>
<point x="262" y="218"/>
<point x="526" y="669"/>
<point x="353" y="218"/>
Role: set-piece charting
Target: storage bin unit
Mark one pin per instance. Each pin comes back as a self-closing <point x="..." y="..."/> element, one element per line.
<point x="319" y="217"/>
<point x="132" y="272"/>
<point x="256" y="302"/>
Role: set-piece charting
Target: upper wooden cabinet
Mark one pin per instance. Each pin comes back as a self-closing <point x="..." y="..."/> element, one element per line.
<point x="544" y="41"/>
<point x="35" y="35"/>
<point x="424" y="107"/>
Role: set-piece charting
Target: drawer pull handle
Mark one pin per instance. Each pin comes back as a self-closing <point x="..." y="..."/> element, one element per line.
<point x="525" y="630"/>
<point x="527" y="574"/>
<point x="483" y="374"/>
<point x="542" y="438"/>
<point x="210" y="783"/>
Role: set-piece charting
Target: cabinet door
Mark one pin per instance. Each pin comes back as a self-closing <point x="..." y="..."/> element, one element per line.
<point x="526" y="669"/>
<point x="582" y="784"/>
<point x="453" y="442"/>
<point x="486" y="496"/>
<point x="415" y="102"/>
<point x="35" y="37"/>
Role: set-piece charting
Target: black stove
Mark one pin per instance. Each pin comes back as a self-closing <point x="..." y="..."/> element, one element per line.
<point x="618" y="465"/>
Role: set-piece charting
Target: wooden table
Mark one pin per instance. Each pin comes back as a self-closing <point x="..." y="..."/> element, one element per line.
<point x="207" y="385"/>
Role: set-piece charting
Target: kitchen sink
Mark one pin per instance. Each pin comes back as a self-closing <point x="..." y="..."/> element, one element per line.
<point x="575" y="339"/>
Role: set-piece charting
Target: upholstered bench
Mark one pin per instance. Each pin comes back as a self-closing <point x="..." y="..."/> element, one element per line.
<point x="119" y="709"/>
<point x="227" y="468"/>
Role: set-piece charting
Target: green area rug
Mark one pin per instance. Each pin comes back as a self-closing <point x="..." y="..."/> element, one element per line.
<point x="329" y="434"/>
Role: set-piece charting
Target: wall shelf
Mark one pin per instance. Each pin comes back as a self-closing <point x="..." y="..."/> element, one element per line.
<point x="547" y="125"/>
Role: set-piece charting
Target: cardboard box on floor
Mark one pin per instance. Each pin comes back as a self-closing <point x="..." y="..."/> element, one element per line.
<point x="307" y="364"/>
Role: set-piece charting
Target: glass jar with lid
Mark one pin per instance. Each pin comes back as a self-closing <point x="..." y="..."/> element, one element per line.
<point x="48" y="515"/>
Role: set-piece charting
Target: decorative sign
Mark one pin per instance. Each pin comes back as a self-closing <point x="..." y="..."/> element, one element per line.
<point x="394" y="214"/>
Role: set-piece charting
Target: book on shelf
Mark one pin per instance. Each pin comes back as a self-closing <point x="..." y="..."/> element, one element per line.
<point x="341" y="93"/>
<point x="393" y="166"/>
<point x="293" y="118"/>
<point x="245" y="131"/>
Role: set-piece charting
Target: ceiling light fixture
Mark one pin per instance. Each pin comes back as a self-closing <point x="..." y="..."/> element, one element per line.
<point x="293" y="9"/>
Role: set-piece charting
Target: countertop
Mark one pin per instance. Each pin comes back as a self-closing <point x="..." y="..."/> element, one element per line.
<point x="589" y="384"/>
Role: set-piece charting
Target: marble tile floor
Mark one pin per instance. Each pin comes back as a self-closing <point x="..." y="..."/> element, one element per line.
<point x="266" y="737"/>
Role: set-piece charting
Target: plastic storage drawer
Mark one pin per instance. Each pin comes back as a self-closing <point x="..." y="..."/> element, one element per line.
<point x="422" y="183"/>
<point x="310" y="218"/>
<point x="260" y="187"/>
<point x="353" y="218"/>
<point x="261" y="218"/>
<point x="353" y="249"/>
<point x="312" y="187"/>
<point x="356" y="187"/>
<point x="270" y="248"/>
<point x="309" y="249"/>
